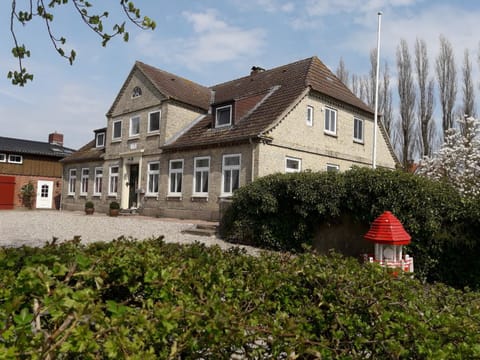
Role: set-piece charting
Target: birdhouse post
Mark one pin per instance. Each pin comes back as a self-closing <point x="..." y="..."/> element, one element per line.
<point x="389" y="236"/>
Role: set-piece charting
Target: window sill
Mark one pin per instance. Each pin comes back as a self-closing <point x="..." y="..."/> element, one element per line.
<point x="359" y="142"/>
<point x="116" y="140"/>
<point x="153" y="133"/>
<point x="151" y="195"/>
<point x="330" y="134"/>
<point x="134" y="137"/>
<point x="173" y="197"/>
<point x="199" y="198"/>
<point x="225" y="196"/>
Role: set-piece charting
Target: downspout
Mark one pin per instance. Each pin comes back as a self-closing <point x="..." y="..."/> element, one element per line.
<point x="253" y="160"/>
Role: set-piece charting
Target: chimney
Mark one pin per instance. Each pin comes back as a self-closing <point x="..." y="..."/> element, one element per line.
<point x="256" y="70"/>
<point x="55" y="139"/>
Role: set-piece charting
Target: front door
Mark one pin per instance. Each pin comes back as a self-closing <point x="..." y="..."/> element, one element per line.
<point x="133" y="186"/>
<point x="44" y="194"/>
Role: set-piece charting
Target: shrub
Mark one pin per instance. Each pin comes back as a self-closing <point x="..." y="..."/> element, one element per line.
<point x="89" y="205"/>
<point x="114" y="205"/>
<point x="27" y="195"/>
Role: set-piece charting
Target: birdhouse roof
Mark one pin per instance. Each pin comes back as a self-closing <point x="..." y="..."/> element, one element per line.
<point x="387" y="229"/>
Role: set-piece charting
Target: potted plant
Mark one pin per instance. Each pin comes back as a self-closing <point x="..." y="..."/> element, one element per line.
<point x="27" y="194"/>
<point x="89" y="208"/>
<point x="114" y="208"/>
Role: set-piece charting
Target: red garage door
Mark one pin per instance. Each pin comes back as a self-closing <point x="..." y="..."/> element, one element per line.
<point x="7" y="192"/>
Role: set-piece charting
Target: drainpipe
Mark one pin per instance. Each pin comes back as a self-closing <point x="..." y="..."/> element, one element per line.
<point x="253" y="159"/>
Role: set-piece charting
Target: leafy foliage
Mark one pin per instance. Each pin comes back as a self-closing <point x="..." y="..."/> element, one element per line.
<point x="281" y="211"/>
<point x="27" y="194"/>
<point x="45" y="11"/>
<point x="152" y="300"/>
<point x="458" y="160"/>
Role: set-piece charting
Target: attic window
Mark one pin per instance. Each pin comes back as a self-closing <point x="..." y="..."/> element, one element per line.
<point x="223" y="116"/>
<point x="137" y="91"/>
<point x="100" y="140"/>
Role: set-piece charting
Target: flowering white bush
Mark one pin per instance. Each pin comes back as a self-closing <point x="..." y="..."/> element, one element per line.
<point x="458" y="160"/>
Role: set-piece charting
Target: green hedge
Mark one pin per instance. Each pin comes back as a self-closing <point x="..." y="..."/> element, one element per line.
<point x="151" y="300"/>
<point x="281" y="212"/>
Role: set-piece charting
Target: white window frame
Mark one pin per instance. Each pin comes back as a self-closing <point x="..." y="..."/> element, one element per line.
<point x="154" y="174"/>
<point x="333" y="167"/>
<point x="292" y="170"/>
<point x="130" y="133"/>
<point x="361" y="123"/>
<point x="150" y="119"/>
<point x="15" y="159"/>
<point x="217" y="125"/>
<point x="173" y="175"/>
<point x="203" y="171"/>
<point x="72" y="181"/>
<point x="84" y="181"/>
<point x="330" y="123"/>
<point x="3" y="157"/>
<point x="310" y="112"/>
<point x="99" y="136"/>
<point x="230" y="169"/>
<point x="97" y="187"/>
<point x="113" y="130"/>
<point x="113" y="180"/>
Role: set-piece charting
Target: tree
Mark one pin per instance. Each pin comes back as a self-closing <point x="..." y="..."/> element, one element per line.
<point x="468" y="108"/>
<point x="447" y="82"/>
<point x="386" y="101"/>
<point x="406" y="93"/>
<point x="425" y="96"/>
<point x="458" y="160"/>
<point x="23" y="14"/>
<point x="342" y="72"/>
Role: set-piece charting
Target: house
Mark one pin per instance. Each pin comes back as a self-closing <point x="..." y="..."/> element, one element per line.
<point x="175" y="148"/>
<point x="23" y="161"/>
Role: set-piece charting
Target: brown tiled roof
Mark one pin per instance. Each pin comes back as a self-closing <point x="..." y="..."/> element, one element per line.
<point x="283" y="86"/>
<point x="87" y="152"/>
<point x="176" y="87"/>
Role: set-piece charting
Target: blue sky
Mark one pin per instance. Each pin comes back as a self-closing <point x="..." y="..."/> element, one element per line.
<point x="211" y="41"/>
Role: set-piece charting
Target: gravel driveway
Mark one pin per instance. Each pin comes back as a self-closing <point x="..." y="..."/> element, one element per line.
<point x="36" y="227"/>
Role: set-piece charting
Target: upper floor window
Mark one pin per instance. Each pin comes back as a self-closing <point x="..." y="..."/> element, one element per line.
<point x="175" y="177"/>
<point x="310" y="115"/>
<point x="135" y="126"/>
<point x="15" y="159"/>
<point x="100" y="139"/>
<point x="117" y="130"/>
<point x="201" y="172"/>
<point x="137" y="91"/>
<point x="153" y="174"/>
<point x="223" y="116"/>
<point x="3" y="157"/>
<point x="72" y="181"/>
<point x="84" y="183"/>
<point x="358" y="130"/>
<point x="230" y="173"/>
<point x="154" y="121"/>
<point x="330" y="121"/>
<point x="293" y="165"/>
<point x="333" y="167"/>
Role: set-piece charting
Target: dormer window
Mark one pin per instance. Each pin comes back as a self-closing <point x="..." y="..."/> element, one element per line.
<point x="100" y="140"/>
<point x="223" y="116"/>
<point x="137" y="91"/>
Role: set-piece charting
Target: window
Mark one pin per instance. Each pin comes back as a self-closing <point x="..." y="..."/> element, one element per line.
<point x="293" y="165"/>
<point x="230" y="173"/>
<point x="223" y="116"/>
<point x="137" y="91"/>
<point x="84" y="182"/>
<point x="135" y="126"/>
<point x="175" y="177"/>
<point x="72" y="181"/>
<point x="310" y="115"/>
<point x="201" y="172"/>
<point x="15" y="159"/>
<point x="113" y="181"/>
<point x="333" y="167"/>
<point x="153" y="173"/>
<point x="44" y="191"/>
<point x="117" y="130"/>
<point x="100" y="140"/>
<point x="330" y="121"/>
<point x="3" y="157"/>
<point x="154" y="121"/>
<point x="358" y="130"/>
<point x="97" y="189"/>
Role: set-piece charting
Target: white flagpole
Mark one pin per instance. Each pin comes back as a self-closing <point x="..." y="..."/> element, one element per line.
<point x="374" y="157"/>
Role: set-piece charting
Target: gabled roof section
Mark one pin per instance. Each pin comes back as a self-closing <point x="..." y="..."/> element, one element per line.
<point x="88" y="152"/>
<point x="283" y="87"/>
<point x="21" y="146"/>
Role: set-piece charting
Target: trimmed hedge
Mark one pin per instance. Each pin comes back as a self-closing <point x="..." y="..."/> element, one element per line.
<point x="281" y="212"/>
<point x="151" y="300"/>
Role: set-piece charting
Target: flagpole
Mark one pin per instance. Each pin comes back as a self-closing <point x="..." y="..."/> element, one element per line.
<point x="374" y="157"/>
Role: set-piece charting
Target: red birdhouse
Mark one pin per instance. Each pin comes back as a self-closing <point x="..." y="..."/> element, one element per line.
<point x="389" y="236"/>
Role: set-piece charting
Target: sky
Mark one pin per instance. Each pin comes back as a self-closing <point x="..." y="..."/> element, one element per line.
<point x="209" y="42"/>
